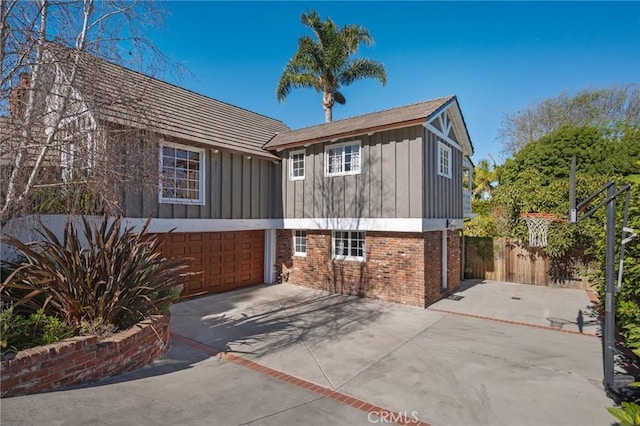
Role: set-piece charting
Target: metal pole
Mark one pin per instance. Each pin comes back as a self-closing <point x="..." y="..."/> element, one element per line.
<point x="623" y="244"/>
<point x="609" y="305"/>
<point x="573" y="212"/>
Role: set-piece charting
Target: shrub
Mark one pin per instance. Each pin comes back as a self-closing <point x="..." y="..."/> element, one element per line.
<point x="101" y="276"/>
<point x="628" y="415"/>
<point x="20" y="331"/>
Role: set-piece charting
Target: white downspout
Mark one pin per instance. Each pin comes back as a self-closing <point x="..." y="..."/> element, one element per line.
<point x="444" y="260"/>
<point x="269" y="255"/>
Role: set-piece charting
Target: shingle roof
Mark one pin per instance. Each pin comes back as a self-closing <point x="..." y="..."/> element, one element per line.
<point x="409" y="114"/>
<point x="123" y="96"/>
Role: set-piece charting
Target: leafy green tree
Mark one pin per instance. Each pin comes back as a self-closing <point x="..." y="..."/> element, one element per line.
<point x="326" y="63"/>
<point x="598" y="152"/>
<point x="606" y="108"/>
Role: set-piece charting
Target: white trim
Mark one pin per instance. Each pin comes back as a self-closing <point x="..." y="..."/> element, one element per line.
<point x="442" y="147"/>
<point x="457" y="123"/>
<point x="370" y="224"/>
<point x="338" y="145"/>
<point x="221" y="225"/>
<point x="201" y="184"/>
<point x="205" y="225"/>
<point x="304" y="165"/>
<point x="443" y="284"/>
<point x="362" y="258"/>
<point x="444" y="137"/>
<point x="445" y="123"/>
<point x="269" y="255"/>
<point x="466" y="163"/>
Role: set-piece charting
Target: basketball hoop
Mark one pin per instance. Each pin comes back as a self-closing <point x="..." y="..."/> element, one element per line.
<point x="538" y="224"/>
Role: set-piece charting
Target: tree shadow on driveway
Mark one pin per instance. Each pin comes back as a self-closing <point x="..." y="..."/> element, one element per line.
<point x="230" y="322"/>
<point x="281" y="323"/>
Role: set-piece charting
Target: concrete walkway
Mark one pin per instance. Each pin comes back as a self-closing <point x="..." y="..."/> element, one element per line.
<point x="298" y="356"/>
<point x="186" y="387"/>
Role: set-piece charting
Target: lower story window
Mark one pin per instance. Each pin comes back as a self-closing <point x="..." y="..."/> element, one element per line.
<point x="300" y="243"/>
<point x="349" y="245"/>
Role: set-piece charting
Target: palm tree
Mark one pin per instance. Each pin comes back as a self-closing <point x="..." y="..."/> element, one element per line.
<point x="484" y="177"/>
<point x="326" y="63"/>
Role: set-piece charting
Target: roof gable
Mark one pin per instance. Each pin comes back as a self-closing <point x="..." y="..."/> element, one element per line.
<point x="448" y="124"/>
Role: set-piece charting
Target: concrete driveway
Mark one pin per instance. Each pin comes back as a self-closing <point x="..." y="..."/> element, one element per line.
<point x="299" y="356"/>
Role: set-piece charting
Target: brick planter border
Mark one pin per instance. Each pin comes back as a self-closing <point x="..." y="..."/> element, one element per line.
<point x="83" y="359"/>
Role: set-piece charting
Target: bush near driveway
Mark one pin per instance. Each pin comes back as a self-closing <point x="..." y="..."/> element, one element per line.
<point x="101" y="278"/>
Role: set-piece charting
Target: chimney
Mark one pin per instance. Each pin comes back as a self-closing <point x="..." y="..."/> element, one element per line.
<point x="16" y="101"/>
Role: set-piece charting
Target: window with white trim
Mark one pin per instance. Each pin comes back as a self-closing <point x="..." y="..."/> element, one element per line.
<point x="299" y="243"/>
<point x="76" y="138"/>
<point x="342" y="159"/>
<point x="444" y="160"/>
<point x="348" y="245"/>
<point x="296" y="165"/>
<point x="181" y="174"/>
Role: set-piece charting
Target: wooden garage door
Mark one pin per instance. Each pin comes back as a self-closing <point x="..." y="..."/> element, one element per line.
<point x="226" y="260"/>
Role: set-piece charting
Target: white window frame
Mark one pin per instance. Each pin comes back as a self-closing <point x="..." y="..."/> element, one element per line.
<point x="442" y="148"/>
<point x="299" y="233"/>
<point x="350" y="238"/>
<point x="201" y="183"/>
<point x="342" y="145"/>
<point x="291" y="163"/>
<point x="73" y="132"/>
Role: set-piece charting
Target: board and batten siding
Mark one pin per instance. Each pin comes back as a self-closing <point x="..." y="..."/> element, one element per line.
<point x="442" y="195"/>
<point x="236" y="187"/>
<point x="389" y="185"/>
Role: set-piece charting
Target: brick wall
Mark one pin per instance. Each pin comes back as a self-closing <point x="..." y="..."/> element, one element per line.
<point x="400" y="267"/>
<point x="432" y="267"/>
<point x="83" y="359"/>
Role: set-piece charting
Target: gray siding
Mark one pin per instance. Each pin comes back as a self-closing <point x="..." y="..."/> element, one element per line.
<point x="442" y="195"/>
<point x="389" y="185"/>
<point x="236" y="187"/>
<point x="398" y="179"/>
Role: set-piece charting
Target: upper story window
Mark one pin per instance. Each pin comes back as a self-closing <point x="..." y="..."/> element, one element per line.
<point x="76" y="138"/>
<point x="299" y="243"/>
<point x="296" y="165"/>
<point x="342" y="159"/>
<point x="348" y="245"/>
<point x="444" y="160"/>
<point x="181" y="174"/>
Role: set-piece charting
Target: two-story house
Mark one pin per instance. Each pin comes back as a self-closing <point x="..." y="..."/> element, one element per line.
<point x="370" y="205"/>
<point x="373" y="205"/>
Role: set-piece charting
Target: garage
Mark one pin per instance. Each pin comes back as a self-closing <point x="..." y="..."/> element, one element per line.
<point x="223" y="260"/>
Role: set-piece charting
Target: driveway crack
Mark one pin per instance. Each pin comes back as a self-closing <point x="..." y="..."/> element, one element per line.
<point x="301" y="336"/>
<point x="419" y="332"/>
<point x="281" y="411"/>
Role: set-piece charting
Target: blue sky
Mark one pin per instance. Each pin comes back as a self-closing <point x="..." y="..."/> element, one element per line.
<point x="497" y="57"/>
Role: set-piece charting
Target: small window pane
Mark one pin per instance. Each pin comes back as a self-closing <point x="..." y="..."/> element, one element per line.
<point x="349" y="244"/>
<point x="300" y="242"/>
<point x="297" y="165"/>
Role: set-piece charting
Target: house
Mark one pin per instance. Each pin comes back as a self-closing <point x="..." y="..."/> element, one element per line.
<point x="370" y="205"/>
<point x="373" y="205"/>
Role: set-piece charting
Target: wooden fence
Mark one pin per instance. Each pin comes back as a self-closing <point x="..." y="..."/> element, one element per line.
<point x="501" y="259"/>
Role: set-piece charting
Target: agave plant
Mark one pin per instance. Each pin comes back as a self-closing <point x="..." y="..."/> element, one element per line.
<point x="101" y="275"/>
